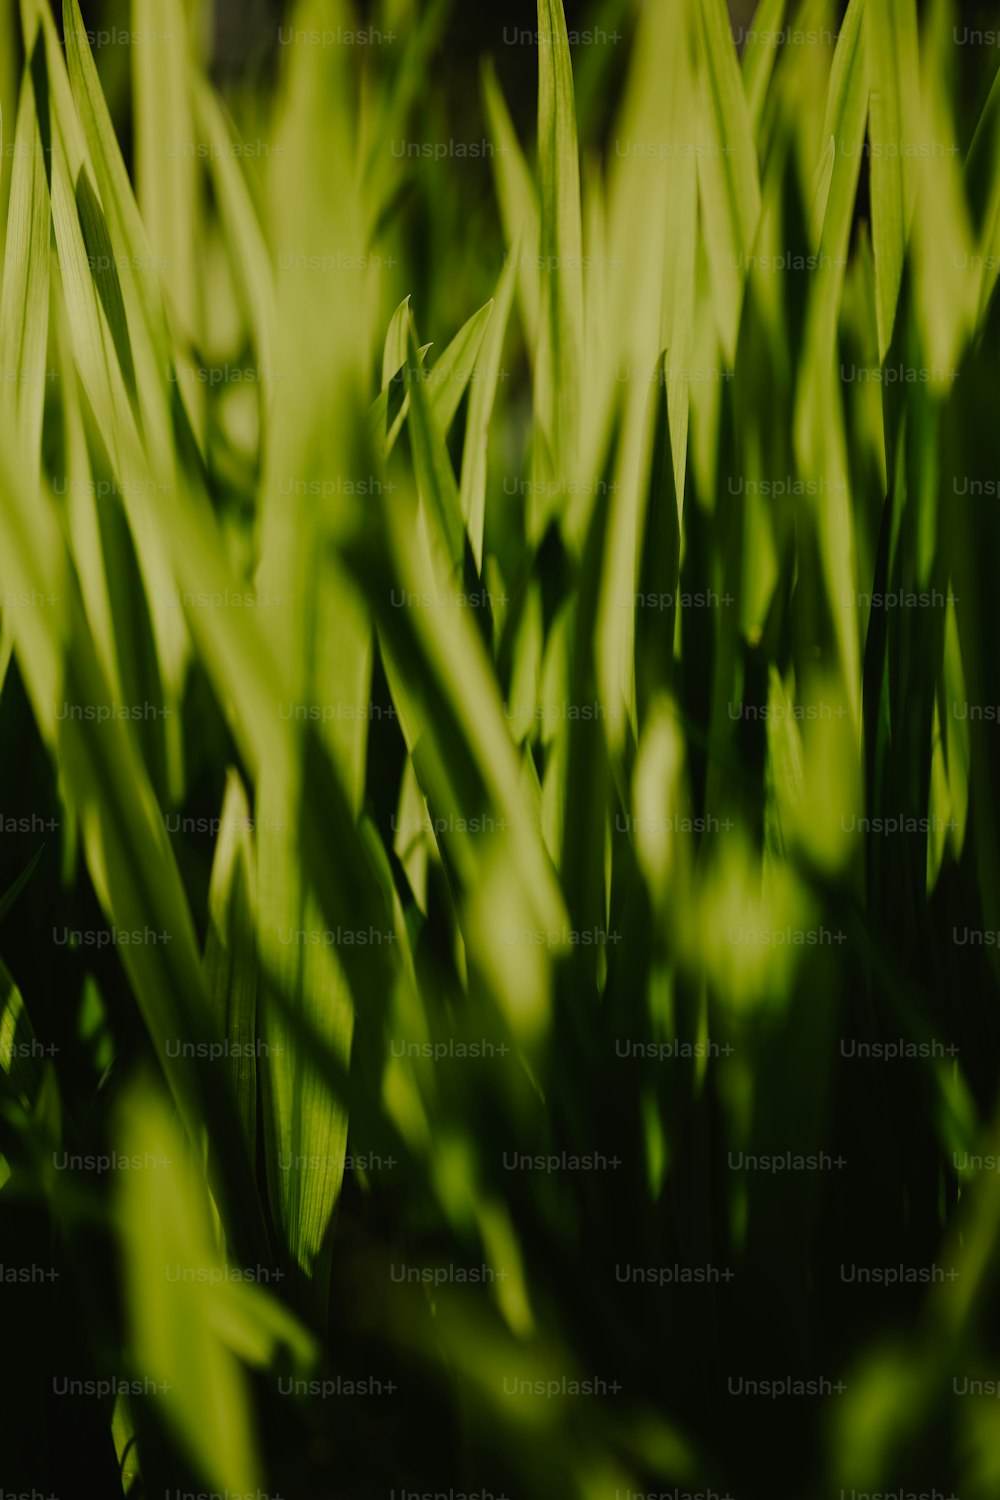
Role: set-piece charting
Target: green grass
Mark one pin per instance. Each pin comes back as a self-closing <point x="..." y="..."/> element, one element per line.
<point x="497" y="660"/>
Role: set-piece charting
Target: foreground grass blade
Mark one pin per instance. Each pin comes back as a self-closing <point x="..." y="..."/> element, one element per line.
<point x="759" y="56"/>
<point x="167" y="153"/>
<point x="894" y="82"/>
<point x="24" y="300"/>
<point x="559" y="359"/>
<point x="727" y="169"/>
<point x="518" y="203"/>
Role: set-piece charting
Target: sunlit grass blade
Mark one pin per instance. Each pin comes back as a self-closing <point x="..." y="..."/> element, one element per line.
<point x="518" y="201"/>
<point x="945" y="289"/>
<point x="819" y="438"/>
<point x="310" y="780"/>
<point x="24" y="301"/>
<point x="759" y="56"/>
<point x="451" y="373"/>
<point x="391" y="407"/>
<point x="127" y="229"/>
<point x="8" y="101"/>
<point x="305" y="1129"/>
<point x="894" y="83"/>
<point x="121" y="346"/>
<point x="728" y="175"/>
<point x="657" y="271"/>
<point x="168" y="159"/>
<point x="164" y="1219"/>
<point x="559" y="360"/>
<point x="456" y="730"/>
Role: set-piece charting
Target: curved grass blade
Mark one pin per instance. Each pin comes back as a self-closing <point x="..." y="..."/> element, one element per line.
<point x="983" y="185"/>
<point x="448" y="377"/>
<point x="20" y="1067"/>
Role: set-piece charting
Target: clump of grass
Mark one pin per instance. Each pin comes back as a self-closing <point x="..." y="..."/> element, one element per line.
<point x="496" y="660"/>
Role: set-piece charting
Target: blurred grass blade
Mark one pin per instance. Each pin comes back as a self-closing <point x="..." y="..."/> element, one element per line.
<point x="944" y="244"/>
<point x="128" y="232"/>
<point x="727" y="168"/>
<point x="983" y="185"/>
<point x="230" y="949"/>
<point x="167" y="153"/>
<point x="559" y="359"/>
<point x="166" y="1234"/>
<point x="759" y="56"/>
<point x="24" y="301"/>
<point x="12" y="892"/>
<point x="518" y="202"/>
<point x="20" y="1067"/>
<point x="472" y="498"/>
<point x="894" y="83"/>
<point x="243" y="235"/>
<point x="129" y="856"/>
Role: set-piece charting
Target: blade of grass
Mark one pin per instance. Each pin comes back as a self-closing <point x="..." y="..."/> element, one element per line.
<point x="727" y="168"/>
<point x="894" y="82"/>
<point x="759" y="57"/>
<point x="24" y="300"/>
<point x="450" y="375"/>
<point x="435" y="476"/>
<point x="559" y="359"/>
<point x="472" y="496"/>
<point x="167" y="154"/>
<point x="518" y="202"/>
<point x="230" y="949"/>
